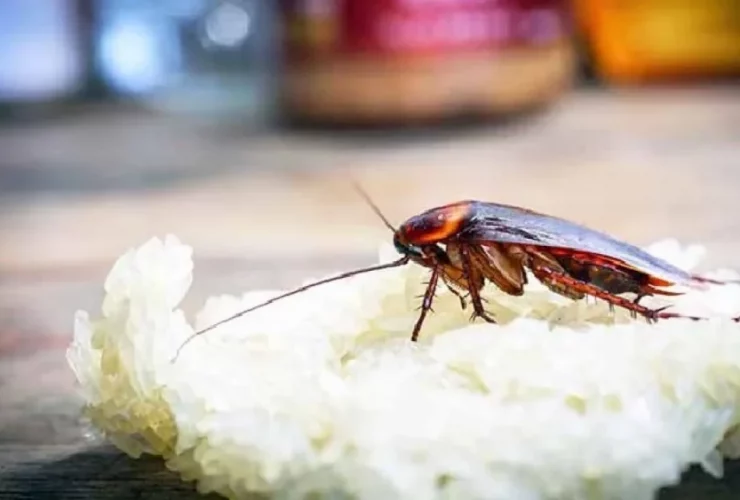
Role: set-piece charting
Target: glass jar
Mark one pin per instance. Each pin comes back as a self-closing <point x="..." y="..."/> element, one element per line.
<point x="41" y="58"/>
<point x="196" y="57"/>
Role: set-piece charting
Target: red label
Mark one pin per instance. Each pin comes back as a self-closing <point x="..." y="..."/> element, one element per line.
<point x="436" y="26"/>
<point x="411" y="26"/>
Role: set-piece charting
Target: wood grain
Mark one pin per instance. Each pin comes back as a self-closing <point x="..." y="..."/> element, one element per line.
<point x="102" y="472"/>
<point x="71" y="472"/>
<point x="642" y="166"/>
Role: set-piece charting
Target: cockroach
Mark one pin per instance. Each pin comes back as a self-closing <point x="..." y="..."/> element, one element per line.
<point x="467" y="243"/>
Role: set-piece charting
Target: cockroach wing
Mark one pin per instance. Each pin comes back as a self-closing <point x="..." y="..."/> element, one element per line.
<point x="491" y="222"/>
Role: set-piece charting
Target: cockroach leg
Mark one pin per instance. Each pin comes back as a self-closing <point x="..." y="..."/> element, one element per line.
<point x="538" y="260"/>
<point x="478" y="309"/>
<point x="660" y="314"/>
<point x="426" y="304"/>
<point x="463" y="304"/>
<point x="610" y="277"/>
<point x="552" y="276"/>
<point x="635" y="309"/>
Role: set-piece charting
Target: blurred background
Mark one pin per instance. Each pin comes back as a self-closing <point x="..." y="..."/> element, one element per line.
<point x="237" y="124"/>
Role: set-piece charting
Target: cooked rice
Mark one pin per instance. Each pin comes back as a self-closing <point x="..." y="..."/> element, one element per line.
<point x="323" y="393"/>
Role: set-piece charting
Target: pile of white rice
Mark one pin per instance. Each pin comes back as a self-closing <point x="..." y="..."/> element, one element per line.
<point x="324" y="393"/>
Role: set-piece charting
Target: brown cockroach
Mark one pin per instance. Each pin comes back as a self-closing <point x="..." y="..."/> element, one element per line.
<point x="467" y="243"/>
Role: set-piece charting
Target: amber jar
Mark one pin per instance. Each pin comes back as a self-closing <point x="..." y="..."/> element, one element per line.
<point x="646" y="41"/>
<point x="370" y="62"/>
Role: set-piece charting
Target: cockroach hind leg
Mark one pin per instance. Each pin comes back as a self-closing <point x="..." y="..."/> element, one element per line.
<point x="653" y="315"/>
<point x="484" y="316"/>
<point x="710" y="281"/>
<point x="656" y="314"/>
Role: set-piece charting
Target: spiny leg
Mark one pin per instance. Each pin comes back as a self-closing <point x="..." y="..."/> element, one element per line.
<point x="475" y="297"/>
<point x="615" y="280"/>
<point x="545" y="273"/>
<point x="610" y="277"/>
<point x="426" y="303"/>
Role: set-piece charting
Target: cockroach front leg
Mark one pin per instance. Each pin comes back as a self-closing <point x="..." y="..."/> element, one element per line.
<point x="426" y="303"/>
<point x="475" y="298"/>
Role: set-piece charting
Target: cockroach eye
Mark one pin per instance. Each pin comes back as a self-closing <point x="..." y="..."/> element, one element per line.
<point x="405" y="249"/>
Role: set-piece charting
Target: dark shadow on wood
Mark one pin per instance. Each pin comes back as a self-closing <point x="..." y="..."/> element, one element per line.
<point x="698" y="485"/>
<point x="106" y="473"/>
<point x="97" y="473"/>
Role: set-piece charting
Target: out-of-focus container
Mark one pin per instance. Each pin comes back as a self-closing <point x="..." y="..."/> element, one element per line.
<point x="213" y="58"/>
<point x="40" y="52"/>
<point x="635" y="41"/>
<point x="362" y="62"/>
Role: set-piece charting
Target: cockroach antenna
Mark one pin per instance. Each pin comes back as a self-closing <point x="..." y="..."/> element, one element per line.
<point x="396" y="263"/>
<point x="356" y="185"/>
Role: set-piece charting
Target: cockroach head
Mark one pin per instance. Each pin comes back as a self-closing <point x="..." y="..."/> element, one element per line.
<point x="405" y="248"/>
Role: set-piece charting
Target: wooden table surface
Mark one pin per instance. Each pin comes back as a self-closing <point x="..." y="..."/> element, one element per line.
<point x="265" y="207"/>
